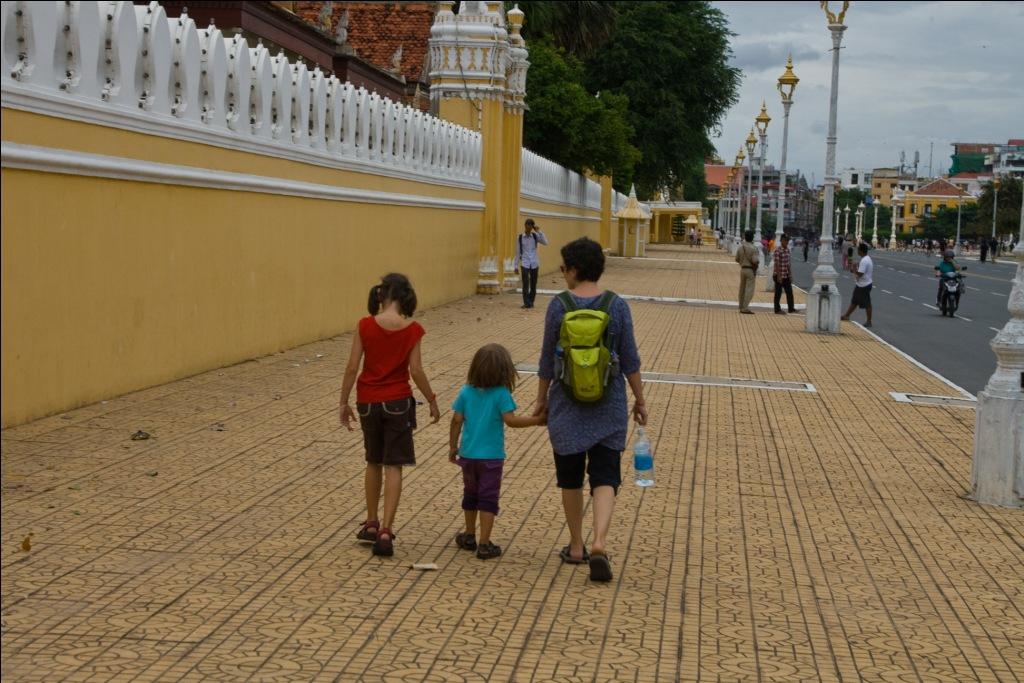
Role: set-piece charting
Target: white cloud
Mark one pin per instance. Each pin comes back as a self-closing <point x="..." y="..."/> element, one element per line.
<point x="910" y="74"/>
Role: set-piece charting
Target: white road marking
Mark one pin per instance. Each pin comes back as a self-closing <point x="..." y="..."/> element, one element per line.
<point x="996" y="294"/>
<point x="930" y="306"/>
<point x="915" y="275"/>
<point x="962" y="318"/>
<point x="902" y="271"/>
<point x="994" y="329"/>
<point x="907" y="298"/>
<point x="887" y="291"/>
<point x="974" y="288"/>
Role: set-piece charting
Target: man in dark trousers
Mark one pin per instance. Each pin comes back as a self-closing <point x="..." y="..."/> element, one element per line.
<point x="783" y="276"/>
<point x="807" y="245"/>
<point x="527" y="260"/>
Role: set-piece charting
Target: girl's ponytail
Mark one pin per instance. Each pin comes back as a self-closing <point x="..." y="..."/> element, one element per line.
<point x="374" y="301"/>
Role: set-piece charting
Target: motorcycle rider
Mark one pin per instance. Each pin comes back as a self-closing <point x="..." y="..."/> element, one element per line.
<point x="946" y="265"/>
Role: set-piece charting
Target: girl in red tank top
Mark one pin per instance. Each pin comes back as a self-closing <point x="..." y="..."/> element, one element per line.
<point x="390" y="341"/>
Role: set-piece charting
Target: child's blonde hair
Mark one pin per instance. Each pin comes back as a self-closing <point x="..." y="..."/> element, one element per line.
<point x="492" y="367"/>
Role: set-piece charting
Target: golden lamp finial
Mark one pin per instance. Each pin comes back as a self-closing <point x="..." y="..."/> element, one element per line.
<point x="832" y="18"/>
<point x="763" y="119"/>
<point x="788" y="81"/>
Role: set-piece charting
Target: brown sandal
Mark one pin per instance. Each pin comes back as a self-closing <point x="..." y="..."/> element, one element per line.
<point x="368" y="532"/>
<point x="384" y="547"/>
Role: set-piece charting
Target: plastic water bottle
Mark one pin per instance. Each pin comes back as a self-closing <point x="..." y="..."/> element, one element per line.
<point x="643" y="459"/>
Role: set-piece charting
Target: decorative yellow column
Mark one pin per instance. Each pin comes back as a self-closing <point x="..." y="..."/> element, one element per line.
<point x="478" y="80"/>
<point x="634" y="224"/>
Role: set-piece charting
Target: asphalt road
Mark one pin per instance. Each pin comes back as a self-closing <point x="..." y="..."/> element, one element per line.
<point x="904" y="313"/>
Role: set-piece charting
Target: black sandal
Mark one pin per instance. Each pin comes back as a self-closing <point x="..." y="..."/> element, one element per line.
<point x="566" y="555"/>
<point x="486" y="551"/>
<point x="600" y="567"/>
<point x="466" y="541"/>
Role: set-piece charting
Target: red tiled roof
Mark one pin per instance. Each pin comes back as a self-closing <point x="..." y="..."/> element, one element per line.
<point x="938" y="188"/>
<point x="715" y="174"/>
<point x="377" y="29"/>
<point x="970" y="174"/>
<point x="1015" y="141"/>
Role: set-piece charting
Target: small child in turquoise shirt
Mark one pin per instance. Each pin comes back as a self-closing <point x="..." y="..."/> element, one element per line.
<point x="481" y="411"/>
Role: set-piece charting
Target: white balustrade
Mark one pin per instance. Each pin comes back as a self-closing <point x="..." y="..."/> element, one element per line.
<point x="543" y="179"/>
<point x="133" y="67"/>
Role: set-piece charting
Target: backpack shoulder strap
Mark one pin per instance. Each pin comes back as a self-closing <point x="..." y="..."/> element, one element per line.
<point x="567" y="302"/>
<point x="605" y="302"/>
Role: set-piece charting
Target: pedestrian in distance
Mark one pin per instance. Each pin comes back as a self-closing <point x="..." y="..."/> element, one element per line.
<point x="387" y="343"/>
<point x="862" y="290"/>
<point x="782" y="275"/>
<point x="588" y="436"/>
<point x="480" y="413"/>
<point x="747" y="257"/>
<point x="528" y="261"/>
<point x="983" y="249"/>
<point x="807" y="246"/>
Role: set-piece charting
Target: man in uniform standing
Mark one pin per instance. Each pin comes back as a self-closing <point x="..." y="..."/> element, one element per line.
<point x="747" y="257"/>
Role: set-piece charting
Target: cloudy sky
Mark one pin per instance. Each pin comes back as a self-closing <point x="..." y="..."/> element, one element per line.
<point x="910" y="74"/>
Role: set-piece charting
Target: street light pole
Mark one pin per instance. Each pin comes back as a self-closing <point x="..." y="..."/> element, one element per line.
<point x="959" y="209"/>
<point x="750" y="142"/>
<point x="860" y="223"/>
<point x="874" y="230"/>
<point x="995" y="202"/>
<point x="787" y="86"/>
<point x="846" y="220"/>
<point x="823" y="301"/>
<point x="997" y="469"/>
<point x="762" y="122"/>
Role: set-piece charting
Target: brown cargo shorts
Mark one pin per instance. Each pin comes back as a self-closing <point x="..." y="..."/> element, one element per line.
<point x="387" y="431"/>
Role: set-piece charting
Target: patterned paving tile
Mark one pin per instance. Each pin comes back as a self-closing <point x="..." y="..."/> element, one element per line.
<point x="790" y="536"/>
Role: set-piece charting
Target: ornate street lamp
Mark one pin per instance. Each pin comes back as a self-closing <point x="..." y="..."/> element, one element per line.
<point x="823" y="301"/>
<point x="959" y="210"/>
<point x="787" y="86"/>
<point x="995" y="203"/>
<point x="874" y="230"/>
<point x="740" y="156"/>
<point x="997" y="469"/>
<point x="761" y="122"/>
<point x="835" y="224"/>
<point x="860" y="222"/>
<point x="892" y="231"/>
<point x="750" y="142"/>
<point x="846" y="220"/>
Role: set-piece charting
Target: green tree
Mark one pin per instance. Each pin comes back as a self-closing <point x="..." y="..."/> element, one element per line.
<point x="942" y="223"/>
<point x="1007" y="213"/>
<point x="579" y="28"/>
<point x="568" y="125"/>
<point x="671" y="59"/>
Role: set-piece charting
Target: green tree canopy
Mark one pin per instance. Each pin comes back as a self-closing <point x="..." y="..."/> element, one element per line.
<point x="942" y="223"/>
<point x="569" y="125"/>
<point x="658" y="81"/>
<point x="1008" y="213"/>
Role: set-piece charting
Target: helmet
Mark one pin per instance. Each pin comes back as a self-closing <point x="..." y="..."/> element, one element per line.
<point x="949" y="253"/>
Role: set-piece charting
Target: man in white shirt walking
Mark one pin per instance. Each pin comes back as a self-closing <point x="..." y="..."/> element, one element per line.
<point x="862" y="292"/>
<point x="527" y="260"/>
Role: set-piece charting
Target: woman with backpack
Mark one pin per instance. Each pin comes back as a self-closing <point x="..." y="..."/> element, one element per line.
<point x="588" y="355"/>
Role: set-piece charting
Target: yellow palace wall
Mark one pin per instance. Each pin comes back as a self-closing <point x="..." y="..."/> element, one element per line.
<point x="113" y="285"/>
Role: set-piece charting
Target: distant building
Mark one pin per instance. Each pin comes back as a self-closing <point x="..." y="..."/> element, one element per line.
<point x="886" y="181"/>
<point x="971" y="182"/>
<point x="926" y="201"/>
<point x="1007" y="160"/>
<point x="858" y="178"/>
<point x="801" y="201"/>
<point x="970" y="156"/>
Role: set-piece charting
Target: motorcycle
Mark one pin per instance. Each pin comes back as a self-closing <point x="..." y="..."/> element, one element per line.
<point x="952" y="289"/>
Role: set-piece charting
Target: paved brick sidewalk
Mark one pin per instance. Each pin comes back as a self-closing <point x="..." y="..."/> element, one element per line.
<point x="792" y="535"/>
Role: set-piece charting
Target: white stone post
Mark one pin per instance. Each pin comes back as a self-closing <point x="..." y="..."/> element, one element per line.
<point x="997" y="472"/>
<point x="823" y="301"/>
<point x="874" y="229"/>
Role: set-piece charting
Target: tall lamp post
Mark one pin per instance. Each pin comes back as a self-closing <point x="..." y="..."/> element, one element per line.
<point x="787" y="86"/>
<point x="892" y="231"/>
<point x="750" y="143"/>
<point x="823" y="301"/>
<point x="740" y="156"/>
<point x="846" y="220"/>
<point x="835" y="225"/>
<point x="729" y="210"/>
<point x="874" y="230"/>
<point x="959" y="210"/>
<point x="995" y="201"/>
<point x="860" y="222"/>
<point x="997" y="471"/>
<point x="761" y="121"/>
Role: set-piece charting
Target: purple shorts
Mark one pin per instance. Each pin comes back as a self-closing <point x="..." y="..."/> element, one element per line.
<point x="482" y="483"/>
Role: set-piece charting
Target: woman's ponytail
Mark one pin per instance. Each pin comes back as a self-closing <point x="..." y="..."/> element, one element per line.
<point x="374" y="300"/>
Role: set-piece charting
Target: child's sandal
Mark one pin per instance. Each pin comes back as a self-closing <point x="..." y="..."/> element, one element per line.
<point x="486" y="551"/>
<point x="368" y="532"/>
<point x="384" y="547"/>
<point x="466" y="541"/>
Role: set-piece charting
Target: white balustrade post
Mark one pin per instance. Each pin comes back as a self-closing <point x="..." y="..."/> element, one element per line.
<point x="213" y="77"/>
<point x="239" y="84"/>
<point x="316" y="126"/>
<point x="83" y="72"/>
<point x="261" y="101"/>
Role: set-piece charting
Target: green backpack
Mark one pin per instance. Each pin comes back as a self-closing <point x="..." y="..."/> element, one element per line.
<point x="586" y="359"/>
